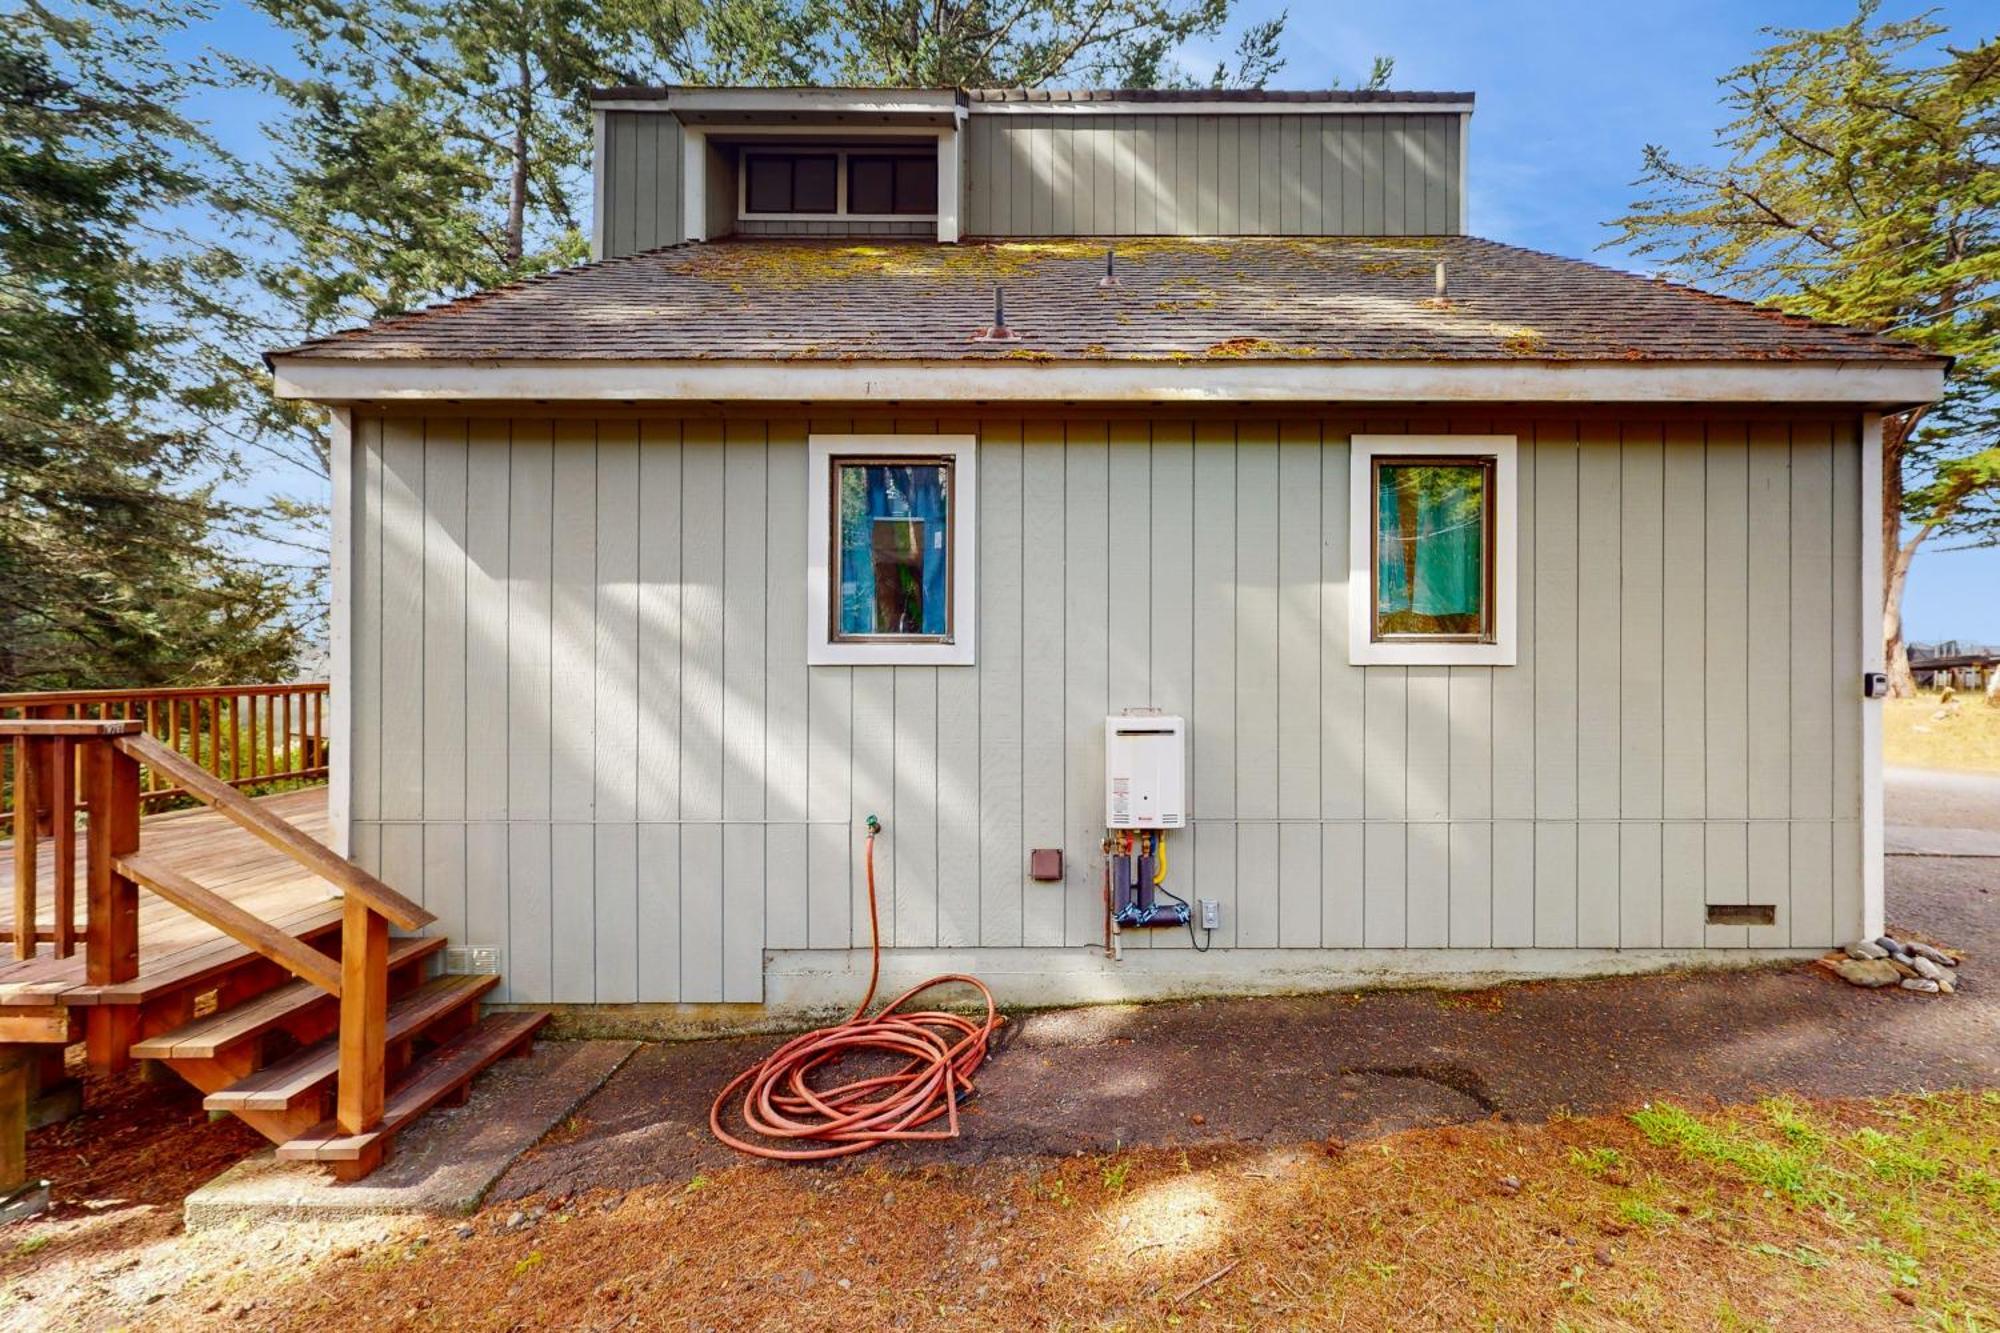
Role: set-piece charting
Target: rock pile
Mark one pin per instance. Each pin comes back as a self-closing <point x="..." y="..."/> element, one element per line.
<point x="1887" y="961"/>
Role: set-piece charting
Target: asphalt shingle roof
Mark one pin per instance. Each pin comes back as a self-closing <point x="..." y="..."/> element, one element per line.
<point x="1328" y="299"/>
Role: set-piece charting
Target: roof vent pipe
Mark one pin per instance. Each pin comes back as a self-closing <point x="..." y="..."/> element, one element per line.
<point x="997" y="331"/>
<point x="1110" y="278"/>
<point x="1440" y="280"/>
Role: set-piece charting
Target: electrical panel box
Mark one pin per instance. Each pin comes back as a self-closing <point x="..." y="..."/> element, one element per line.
<point x="1145" y="771"/>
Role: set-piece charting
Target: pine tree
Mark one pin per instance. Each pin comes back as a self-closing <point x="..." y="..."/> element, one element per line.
<point x="115" y="562"/>
<point x="1863" y="187"/>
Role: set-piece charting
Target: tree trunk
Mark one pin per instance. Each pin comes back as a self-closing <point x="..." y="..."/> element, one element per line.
<point x="1902" y="684"/>
<point x="517" y="187"/>
<point x="1896" y="557"/>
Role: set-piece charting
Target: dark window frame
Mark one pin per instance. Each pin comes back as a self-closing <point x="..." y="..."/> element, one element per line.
<point x="835" y="464"/>
<point x="1489" y="548"/>
<point x="895" y="161"/>
<point x="792" y="157"/>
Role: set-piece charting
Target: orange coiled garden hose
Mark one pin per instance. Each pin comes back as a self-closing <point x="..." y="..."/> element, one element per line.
<point x="940" y="1052"/>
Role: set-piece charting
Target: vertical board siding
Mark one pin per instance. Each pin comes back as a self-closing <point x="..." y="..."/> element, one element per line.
<point x="586" y="734"/>
<point x="1174" y="175"/>
<point x="642" y="195"/>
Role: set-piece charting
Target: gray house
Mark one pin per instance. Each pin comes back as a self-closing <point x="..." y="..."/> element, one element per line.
<point x="1390" y="603"/>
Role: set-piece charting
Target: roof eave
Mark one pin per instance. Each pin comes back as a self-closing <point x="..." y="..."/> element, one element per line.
<point x="1886" y="384"/>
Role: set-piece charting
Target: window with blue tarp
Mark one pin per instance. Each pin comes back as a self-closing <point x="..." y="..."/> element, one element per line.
<point x="1433" y="538"/>
<point x="892" y="529"/>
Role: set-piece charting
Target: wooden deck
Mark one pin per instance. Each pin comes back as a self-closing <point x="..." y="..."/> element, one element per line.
<point x="175" y="947"/>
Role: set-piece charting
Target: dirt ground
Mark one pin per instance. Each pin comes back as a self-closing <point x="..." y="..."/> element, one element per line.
<point x="1274" y="1071"/>
<point x="1920" y="733"/>
<point x="1491" y="1162"/>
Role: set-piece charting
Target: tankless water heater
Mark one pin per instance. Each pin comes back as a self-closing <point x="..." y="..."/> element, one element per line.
<point x="1145" y="771"/>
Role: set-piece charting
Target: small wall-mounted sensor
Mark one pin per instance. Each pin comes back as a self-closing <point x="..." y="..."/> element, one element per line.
<point x="1875" y="685"/>
<point x="1045" y="864"/>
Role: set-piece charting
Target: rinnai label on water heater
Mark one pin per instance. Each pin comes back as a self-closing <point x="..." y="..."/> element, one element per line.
<point x="1145" y="772"/>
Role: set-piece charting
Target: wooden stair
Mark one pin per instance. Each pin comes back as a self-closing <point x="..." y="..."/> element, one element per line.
<point x="270" y="1054"/>
<point x="299" y="1013"/>
<point x="440" y="1076"/>
<point x="298" y="1008"/>
<point x="307" y="1074"/>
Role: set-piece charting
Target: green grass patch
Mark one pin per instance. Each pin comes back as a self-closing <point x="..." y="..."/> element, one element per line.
<point x="1637" y="1212"/>
<point x="1595" y="1161"/>
<point x="1791" y="1169"/>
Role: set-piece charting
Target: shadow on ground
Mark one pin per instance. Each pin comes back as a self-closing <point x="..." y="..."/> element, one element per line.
<point x="1357" y="1066"/>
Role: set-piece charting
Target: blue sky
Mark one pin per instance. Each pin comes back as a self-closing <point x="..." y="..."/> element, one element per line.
<point x="1569" y="93"/>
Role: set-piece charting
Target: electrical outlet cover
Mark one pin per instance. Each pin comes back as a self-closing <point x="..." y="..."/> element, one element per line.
<point x="478" y="960"/>
<point x="1211" y="914"/>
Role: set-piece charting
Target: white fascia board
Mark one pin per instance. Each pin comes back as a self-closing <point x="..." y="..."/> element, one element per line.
<point x="1874" y="899"/>
<point x="340" y="633"/>
<point x="1876" y="383"/>
<point x="1140" y="108"/>
<point x="948" y="191"/>
<point x="800" y="101"/>
<point x="694" y="185"/>
<point x="914" y="130"/>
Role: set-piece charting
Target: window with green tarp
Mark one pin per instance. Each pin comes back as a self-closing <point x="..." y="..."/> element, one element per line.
<point x="1433" y="549"/>
<point x="892" y="529"/>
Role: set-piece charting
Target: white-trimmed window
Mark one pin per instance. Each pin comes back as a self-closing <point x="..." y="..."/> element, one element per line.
<point x="889" y="550"/>
<point x="1433" y="528"/>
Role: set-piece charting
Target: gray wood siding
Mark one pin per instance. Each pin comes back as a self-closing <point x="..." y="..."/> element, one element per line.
<point x="1191" y="175"/>
<point x="1136" y="175"/>
<point x="639" y="187"/>
<point x="585" y="732"/>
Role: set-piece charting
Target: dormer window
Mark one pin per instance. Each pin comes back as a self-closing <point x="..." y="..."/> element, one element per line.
<point x="790" y="183"/>
<point x="902" y="183"/>
<point x="886" y="183"/>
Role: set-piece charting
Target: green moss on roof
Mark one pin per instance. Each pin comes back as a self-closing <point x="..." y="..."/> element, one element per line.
<point x="1201" y="299"/>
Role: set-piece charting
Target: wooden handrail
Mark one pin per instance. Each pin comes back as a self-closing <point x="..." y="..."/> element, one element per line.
<point x="39" y="698"/>
<point x="287" y="951"/>
<point x="67" y="726"/>
<point x="246" y="735"/>
<point x="112" y="751"/>
<point x="320" y="859"/>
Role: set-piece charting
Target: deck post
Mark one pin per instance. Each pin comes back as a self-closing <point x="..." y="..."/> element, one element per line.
<point x="111" y="945"/>
<point x="14" y="1061"/>
<point x="27" y="861"/>
<point x="62" y="839"/>
<point x="364" y="1014"/>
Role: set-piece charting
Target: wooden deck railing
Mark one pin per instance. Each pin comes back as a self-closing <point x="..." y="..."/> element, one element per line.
<point x="246" y="735"/>
<point x="118" y="758"/>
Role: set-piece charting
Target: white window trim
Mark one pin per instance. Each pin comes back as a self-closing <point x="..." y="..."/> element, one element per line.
<point x="1362" y="648"/>
<point x="821" y="647"/>
<point x="840" y="155"/>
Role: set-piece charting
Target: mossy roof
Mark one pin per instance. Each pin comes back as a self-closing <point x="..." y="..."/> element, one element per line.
<point x="1270" y="298"/>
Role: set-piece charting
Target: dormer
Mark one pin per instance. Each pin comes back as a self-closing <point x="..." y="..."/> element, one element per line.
<point x="683" y="163"/>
